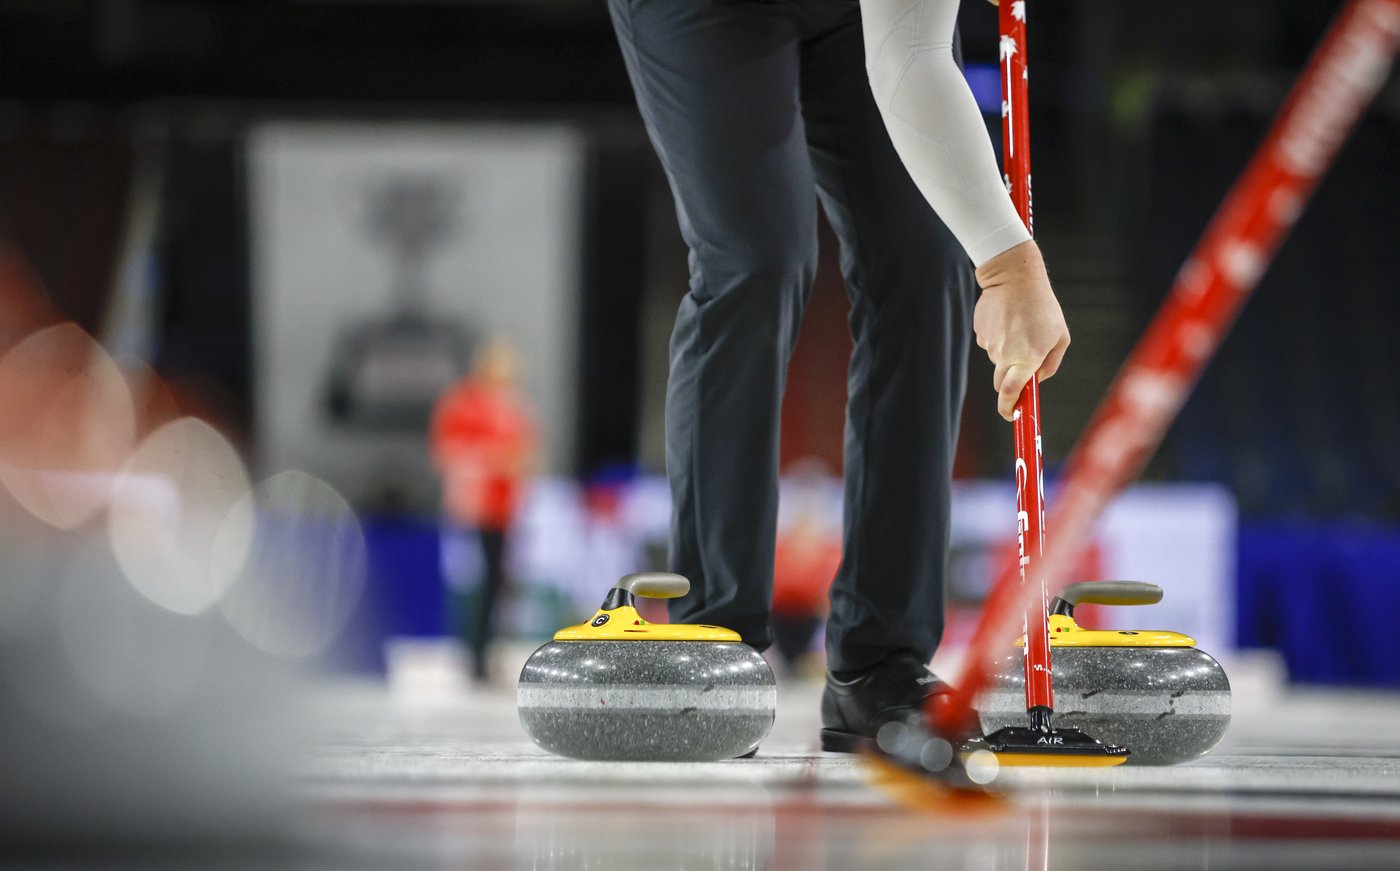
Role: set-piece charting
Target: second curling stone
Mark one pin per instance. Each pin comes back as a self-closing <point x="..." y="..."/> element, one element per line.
<point x="1153" y="692"/>
<point x="620" y="688"/>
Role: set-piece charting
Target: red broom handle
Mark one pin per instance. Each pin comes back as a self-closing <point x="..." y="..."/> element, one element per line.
<point x="1030" y="479"/>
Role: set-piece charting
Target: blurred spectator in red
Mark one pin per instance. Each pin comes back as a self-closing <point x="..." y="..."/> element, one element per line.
<point x="804" y="564"/>
<point x="483" y="440"/>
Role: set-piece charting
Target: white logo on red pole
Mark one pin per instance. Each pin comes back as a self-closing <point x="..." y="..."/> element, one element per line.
<point x="1197" y="339"/>
<point x="1242" y="263"/>
<point x="1023" y="518"/>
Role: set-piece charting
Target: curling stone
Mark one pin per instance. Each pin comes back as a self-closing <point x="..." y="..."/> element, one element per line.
<point x="1153" y="692"/>
<point x="620" y="688"/>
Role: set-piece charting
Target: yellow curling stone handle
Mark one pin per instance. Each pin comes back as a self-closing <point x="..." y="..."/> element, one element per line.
<point x="1064" y="632"/>
<point x="618" y="620"/>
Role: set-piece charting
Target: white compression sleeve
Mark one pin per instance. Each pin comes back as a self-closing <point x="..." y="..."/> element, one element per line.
<point x="934" y="122"/>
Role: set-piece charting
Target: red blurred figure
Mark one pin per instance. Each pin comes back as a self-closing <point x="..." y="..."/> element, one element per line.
<point x="804" y="564"/>
<point x="482" y="440"/>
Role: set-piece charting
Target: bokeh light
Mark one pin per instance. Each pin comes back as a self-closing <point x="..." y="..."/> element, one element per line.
<point x="180" y="525"/>
<point x="69" y="424"/>
<point x="306" y="569"/>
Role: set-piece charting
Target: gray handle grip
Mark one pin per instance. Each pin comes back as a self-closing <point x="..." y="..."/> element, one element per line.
<point x="655" y="585"/>
<point x="1111" y="593"/>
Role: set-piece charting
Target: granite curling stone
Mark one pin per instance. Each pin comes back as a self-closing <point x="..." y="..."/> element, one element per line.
<point x="1153" y="692"/>
<point x="620" y="688"/>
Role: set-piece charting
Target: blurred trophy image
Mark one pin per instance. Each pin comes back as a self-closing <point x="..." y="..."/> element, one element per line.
<point x="387" y="372"/>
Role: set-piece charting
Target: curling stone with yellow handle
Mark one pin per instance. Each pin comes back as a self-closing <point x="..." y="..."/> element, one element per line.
<point x="620" y="688"/>
<point x="1153" y="692"/>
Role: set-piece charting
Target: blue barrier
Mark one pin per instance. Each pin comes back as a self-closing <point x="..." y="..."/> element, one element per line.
<point x="1326" y="596"/>
<point x="403" y="592"/>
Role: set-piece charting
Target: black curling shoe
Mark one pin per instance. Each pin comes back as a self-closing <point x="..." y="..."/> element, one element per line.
<point x="853" y="711"/>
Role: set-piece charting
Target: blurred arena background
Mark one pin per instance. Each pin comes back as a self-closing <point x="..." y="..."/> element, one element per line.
<point x="246" y="246"/>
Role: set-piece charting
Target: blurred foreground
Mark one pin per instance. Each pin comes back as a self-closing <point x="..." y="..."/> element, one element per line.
<point x="160" y="612"/>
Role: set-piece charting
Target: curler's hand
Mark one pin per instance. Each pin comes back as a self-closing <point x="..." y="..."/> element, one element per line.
<point x="1018" y="322"/>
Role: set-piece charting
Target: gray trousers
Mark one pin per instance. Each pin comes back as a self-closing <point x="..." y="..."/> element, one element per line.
<point x="757" y="109"/>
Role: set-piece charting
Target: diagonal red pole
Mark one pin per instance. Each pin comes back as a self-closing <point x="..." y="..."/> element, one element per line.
<point x="1341" y="78"/>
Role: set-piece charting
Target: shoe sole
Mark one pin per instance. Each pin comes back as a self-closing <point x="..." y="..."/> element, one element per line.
<point x="837" y="741"/>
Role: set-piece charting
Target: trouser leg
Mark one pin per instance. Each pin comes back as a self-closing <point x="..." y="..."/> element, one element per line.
<point x="493" y="578"/>
<point x="912" y="293"/>
<point x="717" y="85"/>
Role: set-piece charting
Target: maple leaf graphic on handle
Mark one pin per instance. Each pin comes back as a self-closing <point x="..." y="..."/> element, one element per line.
<point x="1018" y="10"/>
<point x="1008" y="48"/>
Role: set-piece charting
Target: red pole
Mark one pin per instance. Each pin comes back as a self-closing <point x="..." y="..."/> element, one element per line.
<point x="1345" y="72"/>
<point x="1030" y="479"/>
<point x="1015" y="122"/>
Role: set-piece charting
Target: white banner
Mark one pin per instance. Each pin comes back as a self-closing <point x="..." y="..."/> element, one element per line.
<point x="381" y="253"/>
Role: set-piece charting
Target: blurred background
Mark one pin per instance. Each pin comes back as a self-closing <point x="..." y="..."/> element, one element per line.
<point x="304" y="222"/>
